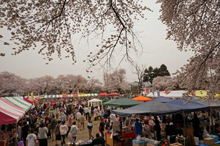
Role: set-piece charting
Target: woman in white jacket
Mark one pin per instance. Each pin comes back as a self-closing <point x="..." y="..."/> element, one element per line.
<point x="63" y="131"/>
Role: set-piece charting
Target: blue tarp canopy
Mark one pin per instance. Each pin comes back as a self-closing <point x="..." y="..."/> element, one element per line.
<point x="212" y="104"/>
<point x="188" y="107"/>
<point x="149" y="108"/>
<point x="162" y="99"/>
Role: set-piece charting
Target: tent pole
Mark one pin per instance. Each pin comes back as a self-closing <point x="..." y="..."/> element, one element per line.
<point x="16" y="138"/>
<point x="184" y="119"/>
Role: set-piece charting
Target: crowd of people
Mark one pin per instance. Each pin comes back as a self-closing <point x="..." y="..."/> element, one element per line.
<point x="56" y="122"/>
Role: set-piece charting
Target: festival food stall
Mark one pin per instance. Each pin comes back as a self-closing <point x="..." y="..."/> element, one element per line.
<point x="122" y="102"/>
<point x="10" y="113"/>
<point x="92" y="101"/>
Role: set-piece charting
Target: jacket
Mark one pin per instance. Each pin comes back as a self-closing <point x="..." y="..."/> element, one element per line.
<point x="57" y="111"/>
<point x="53" y="124"/>
<point x="63" y="117"/>
<point x="43" y="133"/>
<point x="63" y="129"/>
<point x="70" y="120"/>
<point x="72" y="128"/>
<point x="89" y="125"/>
<point x="138" y="128"/>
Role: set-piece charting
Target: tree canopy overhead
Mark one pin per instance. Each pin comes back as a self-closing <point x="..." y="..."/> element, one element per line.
<point x="194" y="26"/>
<point x="52" y="25"/>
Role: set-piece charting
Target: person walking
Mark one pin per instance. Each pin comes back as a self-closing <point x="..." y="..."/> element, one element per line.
<point x="90" y="126"/>
<point x="74" y="130"/>
<point x="101" y="128"/>
<point x="81" y="110"/>
<point x="78" y="115"/>
<point x="157" y="128"/>
<point x="43" y="135"/>
<point x="63" y="117"/>
<point x="57" y="132"/>
<point x="57" y="112"/>
<point x="63" y="131"/>
<point x="53" y="126"/>
<point x="86" y="112"/>
<point x="31" y="138"/>
<point x="25" y="130"/>
<point x="95" y="111"/>
<point x="82" y="118"/>
<point x="70" y="122"/>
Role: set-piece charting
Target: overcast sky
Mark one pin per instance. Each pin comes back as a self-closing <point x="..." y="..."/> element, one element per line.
<point x="156" y="51"/>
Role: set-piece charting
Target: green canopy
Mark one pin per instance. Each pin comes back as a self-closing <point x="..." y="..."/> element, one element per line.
<point x="122" y="102"/>
<point x="106" y="100"/>
<point x="109" y="102"/>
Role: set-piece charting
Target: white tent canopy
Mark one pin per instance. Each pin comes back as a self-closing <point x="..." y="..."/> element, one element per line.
<point x="155" y="94"/>
<point x="175" y="94"/>
<point x="90" y="102"/>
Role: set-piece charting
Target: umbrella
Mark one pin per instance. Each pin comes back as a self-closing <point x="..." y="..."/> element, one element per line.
<point x="123" y="102"/>
<point x="103" y="94"/>
<point x="142" y="98"/>
<point x="162" y="99"/>
<point x="150" y="108"/>
<point x="114" y="93"/>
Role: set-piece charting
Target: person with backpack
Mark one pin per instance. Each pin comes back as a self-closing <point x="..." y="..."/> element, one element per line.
<point x="74" y="130"/>
<point x="57" y="132"/>
<point x="63" y="130"/>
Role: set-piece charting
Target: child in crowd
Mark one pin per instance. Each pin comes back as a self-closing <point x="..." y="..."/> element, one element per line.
<point x="74" y="131"/>
<point x="31" y="139"/>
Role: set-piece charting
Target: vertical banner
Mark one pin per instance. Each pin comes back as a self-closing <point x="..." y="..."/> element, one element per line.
<point x="145" y="91"/>
<point x="32" y="97"/>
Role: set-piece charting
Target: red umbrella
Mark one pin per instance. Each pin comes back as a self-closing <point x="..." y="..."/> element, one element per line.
<point x="53" y="104"/>
<point x="114" y="93"/>
<point x="103" y="94"/>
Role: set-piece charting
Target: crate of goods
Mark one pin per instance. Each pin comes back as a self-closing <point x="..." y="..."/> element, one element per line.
<point x="139" y="143"/>
<point x="215" y="137"/>
<point x="208" y="141"/>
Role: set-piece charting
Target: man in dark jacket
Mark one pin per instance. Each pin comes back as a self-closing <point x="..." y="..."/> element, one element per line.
<point x="52" y="127"/>
<point x="89" y="126"/>
<point x="138" y="128"/>
<point x="196" y="123"/>
<point x="98" y="141"/>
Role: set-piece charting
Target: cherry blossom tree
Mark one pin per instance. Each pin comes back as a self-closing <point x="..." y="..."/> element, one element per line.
<point x="116" y="81"/>
<point x="163" y="82"/>
<point x="92" y="85"/>
<point x="194" y="26"/>
<point x="41" y="85"/>
<point x="69" y="83"/>
<point x="53" y="24"/>
<point x="11" y="84"/>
